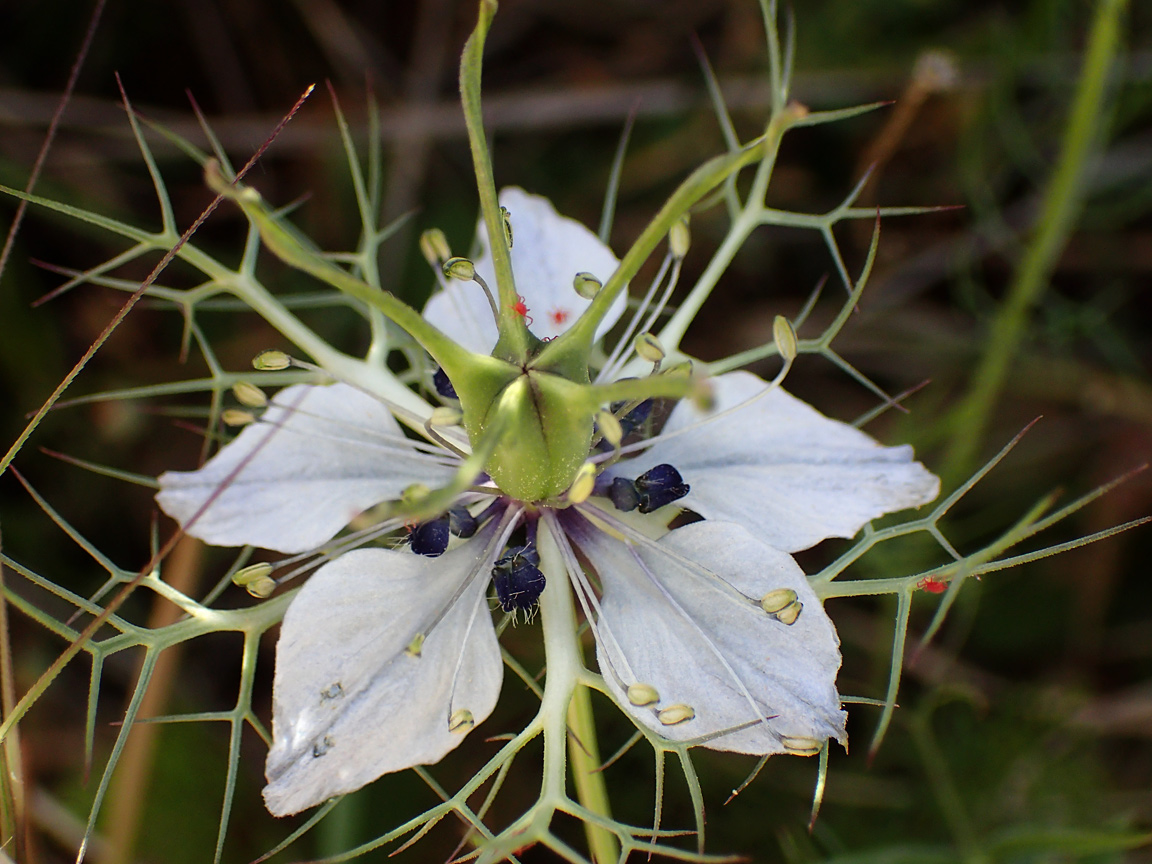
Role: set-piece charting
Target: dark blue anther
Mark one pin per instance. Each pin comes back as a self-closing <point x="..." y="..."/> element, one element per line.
<point x="628" y="423"/>
<point x="462" y="523"/>
<point x="443" y="385"/>
<point x="430" y="538"/>
<point x="518" y="579"/>
<point x="623" y="494"/>
<point x="659" y="486"/>
<point x="650" y="491"/>
<point x="635" y="417"/>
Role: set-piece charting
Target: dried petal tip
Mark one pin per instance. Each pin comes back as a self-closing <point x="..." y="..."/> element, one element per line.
<point x="642" y="694"/>
<point x="678" y="713"/>
<point x="774" y="601"/>
<point x="460" y="268"/>
<point x="798" y="746"/>
<point x="586" y="285"/>
<point x="461" y="720"/>
<point x="271" y="361"/>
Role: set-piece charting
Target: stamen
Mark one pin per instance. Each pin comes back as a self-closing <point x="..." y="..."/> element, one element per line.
<point x="443" y="384"/>
<point x="249" y="395"/>
<point x="642" y="694"/>
<point x="800" y="746"/>
<point x="673" y="714"/>
<point x="461" y="720"/>
<point x="658" y="486"/>
<point x="430" y="538"/>
<point x="271" y="361"/>
<point x="774" y="601"/>
<point x="518" y="579"/>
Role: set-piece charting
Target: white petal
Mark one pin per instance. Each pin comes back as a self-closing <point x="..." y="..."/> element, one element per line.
<point x="782" y="469"/>
<point x="349" y="703"/>
<point x="548" y="250"/>
<point x="682" y="615"/>
<point x="317" y="458"/>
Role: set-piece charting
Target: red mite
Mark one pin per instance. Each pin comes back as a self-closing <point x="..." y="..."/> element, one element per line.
<point x="521" y="308"/>
<point x="932" y="586"/>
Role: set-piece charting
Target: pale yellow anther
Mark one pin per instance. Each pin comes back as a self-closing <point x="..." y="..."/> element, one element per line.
<point x="461" y="720"/>
<point x="586" y="285"/>
<point x="415" y="493"/>
<point x="642" y="694"/>
<point x="434" y="247"/>
<point x="237" y="417"/>
<point x="799" y="746"/>
<point x="790" y="613"/>
<point x="610" y="428"/>
<point x="785" y="337"/>
<point x="246" y="575"/>
<point x="582" y="484"/>
<point x="249" y="394"/>
<point x="271" y="361"/>
<point x="415" y="646"/>
<point x="460" y="268"/>
<point x="674" y="714"/>
<point x="506" y="218"/>
<point x="684" y="367"/>
<point x="679" y="238"/>
<point x="262" y="587"/>
<point x="774" y="601"/>
<point x="445" y="415"/>
<point x="649" y="347"/>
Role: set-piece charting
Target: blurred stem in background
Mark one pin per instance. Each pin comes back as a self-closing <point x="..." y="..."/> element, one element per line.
<point x="1063" y="199"/>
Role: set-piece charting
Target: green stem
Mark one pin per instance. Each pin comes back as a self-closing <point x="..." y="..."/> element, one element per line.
<point x="566" y="704"/>
<point x="514" y="339"/>
<point x="1063" y="200"/>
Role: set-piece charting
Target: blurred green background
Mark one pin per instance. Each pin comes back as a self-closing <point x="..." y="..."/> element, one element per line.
<point x="1025" y="728"/>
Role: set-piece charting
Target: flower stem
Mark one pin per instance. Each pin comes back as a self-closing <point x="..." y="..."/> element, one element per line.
<point x="567" y="708"/>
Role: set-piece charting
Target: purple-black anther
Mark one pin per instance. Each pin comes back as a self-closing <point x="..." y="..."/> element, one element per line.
<point x="430" y="538"/>
<point x="518" y="579"/>
<point x="443" y="385"/>
<point x="659" y="486"/>
<point x="623" y="494"/>
<point x="462" y="523"/>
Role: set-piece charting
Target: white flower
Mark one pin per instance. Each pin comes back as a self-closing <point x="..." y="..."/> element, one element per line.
<point x="709" y="634"/>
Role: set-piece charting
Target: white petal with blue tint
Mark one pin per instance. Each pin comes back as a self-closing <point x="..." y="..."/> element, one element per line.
<point x="352" y="700"/>
<point x="782" y="469"/>
<point x="547" y="253"/>
<point x="681" y="618"/>
<point x="318" y="457"/>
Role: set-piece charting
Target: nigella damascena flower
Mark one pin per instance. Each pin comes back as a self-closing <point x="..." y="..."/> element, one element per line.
<point x="708" y="634"/>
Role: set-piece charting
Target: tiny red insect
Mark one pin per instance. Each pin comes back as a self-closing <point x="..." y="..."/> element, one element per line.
<point x="932" y="586"/>
<point x="521" y="308"/>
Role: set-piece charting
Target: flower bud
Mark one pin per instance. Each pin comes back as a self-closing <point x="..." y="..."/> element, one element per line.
<point x="249" y="394"/>
<point x="674" y="714"/>
<point x="785" y="337"/>
<point x="642" y="694"/>
<point x="236" y="417"/>
<point x="679" y="238"/>
<point x="434" y="247"/>
<point x="586" y="285"/>
<point x="649" y="347"/>
<point x="271" y="361"/>
<point x="459" y="268"/>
